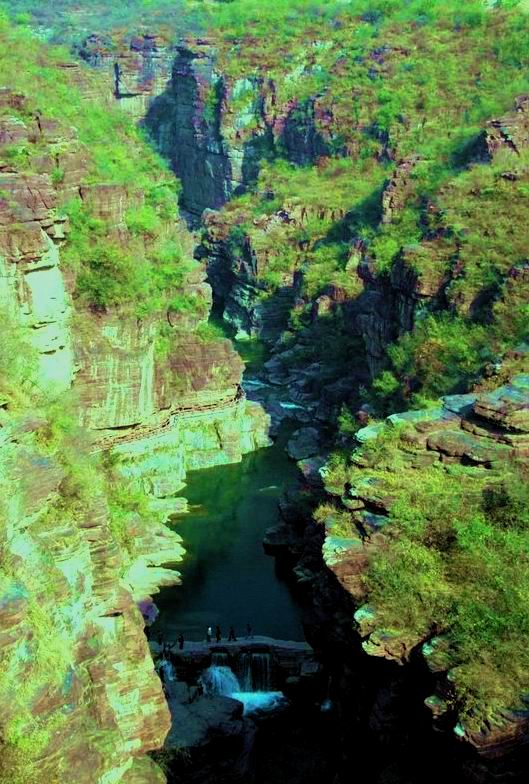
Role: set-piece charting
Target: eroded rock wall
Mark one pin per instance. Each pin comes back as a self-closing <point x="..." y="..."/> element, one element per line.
<point x="78" y="681"/>
<point x="80" y="698"/>
<point x="213" y="128"/>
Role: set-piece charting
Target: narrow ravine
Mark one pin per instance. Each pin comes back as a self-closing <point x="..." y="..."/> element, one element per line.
<point x="221" y="223"/>
<point x="227" y="579"/>
<point x="284" y="732"/>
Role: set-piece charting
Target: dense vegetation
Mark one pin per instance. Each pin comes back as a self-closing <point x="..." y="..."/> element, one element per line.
<point x="413" y="83"/>
<point x="454" y="565"/>
<point x="139" y="261"/>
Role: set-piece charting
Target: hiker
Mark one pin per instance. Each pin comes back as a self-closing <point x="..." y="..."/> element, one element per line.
<point x="218" y="634"/>
<point x="181" y="641"/>
<point x="249" y="632"/>
<point x="209" y="633"/>
<point x="231" y="635"/>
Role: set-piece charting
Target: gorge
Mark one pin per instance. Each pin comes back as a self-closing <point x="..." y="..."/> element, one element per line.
<point x="343" y="188"/>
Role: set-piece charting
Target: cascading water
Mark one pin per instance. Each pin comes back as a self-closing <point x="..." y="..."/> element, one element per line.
<point x="219" y="680"/>
<point x="254" y="671"/>
<point x="245" y="671"/>
<point x="168" y="677"/>
<point x="166" y="670"/>
<point x="261" y="671"/>
<point x="219" y="659"/>
<point x="253" y="688"/>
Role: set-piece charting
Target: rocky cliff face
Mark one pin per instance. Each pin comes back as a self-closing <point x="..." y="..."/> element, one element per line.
<point x="213" y="127"/>
<point x="137" y="68"/>
<point x="128" y="386"/>
<point x="478" y="437"/>
<point x="84" y="542"/>
<point x="79" y="693"/>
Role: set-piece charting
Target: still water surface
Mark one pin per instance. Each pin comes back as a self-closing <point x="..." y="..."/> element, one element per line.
<point x="226" y="577"/>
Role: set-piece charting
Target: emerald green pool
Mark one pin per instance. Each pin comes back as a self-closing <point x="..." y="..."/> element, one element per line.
<point x="226" y="577"/>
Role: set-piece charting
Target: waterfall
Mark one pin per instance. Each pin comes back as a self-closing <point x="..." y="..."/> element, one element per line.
<point x="166" y="671"/>
<point x="254" y="671"/>
<point x="261" y="680"/>
<point x="252" y="688"/>
<point x="245" y="671"/>
<point x="219" y="659"/>
<point x="219" y="680"/>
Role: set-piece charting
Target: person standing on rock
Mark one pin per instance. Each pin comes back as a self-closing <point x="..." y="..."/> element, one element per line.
<point x="218" y="634"/>
<point x="208" y="634"/>
<point x="249" y="632"/>
<point x="231" y="635"/>
<point x="181" y="641"/>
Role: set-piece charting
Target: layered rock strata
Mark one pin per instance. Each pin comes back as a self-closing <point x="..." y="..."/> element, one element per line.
<point x="486" y="432"/>
<point x="127" y="390"/>
<point x="80" y="696"/>
<point x="137" y="67"/>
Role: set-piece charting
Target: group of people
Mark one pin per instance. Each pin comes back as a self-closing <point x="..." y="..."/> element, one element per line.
<point x="167" y="647"/>
<point x="231" y="634"/>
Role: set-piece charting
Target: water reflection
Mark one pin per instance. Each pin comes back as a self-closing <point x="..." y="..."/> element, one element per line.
<point x="227" y="578"/>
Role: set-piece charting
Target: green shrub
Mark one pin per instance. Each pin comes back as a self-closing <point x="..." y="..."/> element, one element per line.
<point x="443" y="355"/>
<point x="336" y="520"/>
<point x="210" y="332"/>
<point x="143" y="220"/>
<point x="456" y="564"/>
<point x="336" y="473"/>
<point x="141" y="272"/>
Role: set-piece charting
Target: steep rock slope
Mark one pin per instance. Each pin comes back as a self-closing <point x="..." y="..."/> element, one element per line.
<point x="98" y="295"/>
<point x="423" y="527"/>
<point x="144" y="360"/>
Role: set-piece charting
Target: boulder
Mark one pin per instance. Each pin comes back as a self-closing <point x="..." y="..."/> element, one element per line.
<point x="304" y="443"/>
<point x="507" y="406"/>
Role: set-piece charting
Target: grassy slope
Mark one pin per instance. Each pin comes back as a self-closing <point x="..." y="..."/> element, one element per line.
<point x="418" y="79"/>
<point x="147" y="271"/>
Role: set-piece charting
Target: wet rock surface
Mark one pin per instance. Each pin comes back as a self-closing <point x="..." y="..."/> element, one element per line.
<point x="304" y="443"/>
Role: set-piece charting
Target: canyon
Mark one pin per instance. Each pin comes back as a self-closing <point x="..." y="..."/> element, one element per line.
<point x="148" y="391"/>
<point x="162" y="413"/>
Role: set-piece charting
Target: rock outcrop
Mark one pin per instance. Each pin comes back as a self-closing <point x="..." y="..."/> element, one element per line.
<point x="485" y="431"/>
<point x="137" y="67"/>
<point x="78" y="682"/>
<point x="84" y="544"/>
<point x="213" y="128"/>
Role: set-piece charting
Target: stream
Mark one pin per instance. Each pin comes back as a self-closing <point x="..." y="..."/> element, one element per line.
<point x="227" y="579"/>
